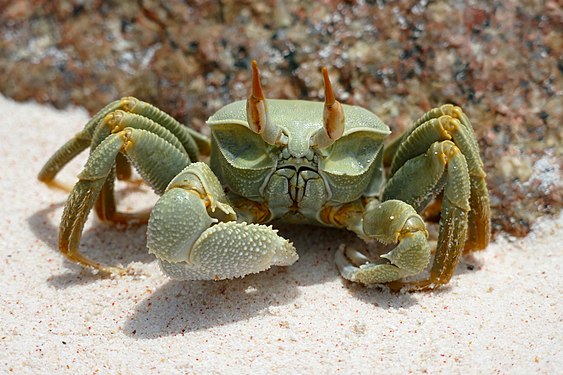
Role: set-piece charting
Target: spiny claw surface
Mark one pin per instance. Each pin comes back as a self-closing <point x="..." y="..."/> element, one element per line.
<point x="184" y="236"/>
<point x="229" y="250"/>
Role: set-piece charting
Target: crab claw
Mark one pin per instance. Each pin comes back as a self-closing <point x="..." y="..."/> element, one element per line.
<point x="191" y="244"/>
<point x="389" y="222"/>
<point x="333" y="117"/>
<point x="257" y="110"/>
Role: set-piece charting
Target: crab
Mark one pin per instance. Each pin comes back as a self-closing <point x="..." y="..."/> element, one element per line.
<point x="283" y="160"/>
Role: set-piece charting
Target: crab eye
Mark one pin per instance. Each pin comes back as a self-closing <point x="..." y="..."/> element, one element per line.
<point x="257" y="111"/>
<point x="333" y="118"/>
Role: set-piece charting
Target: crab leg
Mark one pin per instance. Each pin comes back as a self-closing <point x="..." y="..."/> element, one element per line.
<point x="396" y="221"/>
<point x="444" y="166"/>
<point x="193" y="233"/>
<point x="73" y="147"/>
<point x="448" y="122"/>
<point x="155" y="159"/>
<point x="112" y="123"/>
<point x="190" y="139"/>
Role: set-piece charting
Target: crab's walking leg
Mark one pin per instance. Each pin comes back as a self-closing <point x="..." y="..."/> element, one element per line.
<point x="157" y="161"/>
<point x="396" y="221"/>
<point x="443" y="166"/>
<point x="447" y="122"/>
<point x="193" y="233"/>
<point x="73" y="147"/>
<point x="115" y="122"/>
<point x="192" y="141"/>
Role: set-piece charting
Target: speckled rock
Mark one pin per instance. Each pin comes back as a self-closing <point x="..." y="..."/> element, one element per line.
<point x="501" y="61"/>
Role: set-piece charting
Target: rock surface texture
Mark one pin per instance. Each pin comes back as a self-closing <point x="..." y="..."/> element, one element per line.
<point x="500" y="61"/>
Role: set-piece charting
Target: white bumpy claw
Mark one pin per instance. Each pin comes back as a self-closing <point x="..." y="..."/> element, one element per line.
<point x="191" y="244"/>
<point x="229" y="250"/>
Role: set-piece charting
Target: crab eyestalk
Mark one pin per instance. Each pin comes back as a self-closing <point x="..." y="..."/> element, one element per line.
<point x="257" y="111"/>
<point x="333" y="118"/>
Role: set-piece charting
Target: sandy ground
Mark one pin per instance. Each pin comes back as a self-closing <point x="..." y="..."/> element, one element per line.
<point x="501" y="313"/>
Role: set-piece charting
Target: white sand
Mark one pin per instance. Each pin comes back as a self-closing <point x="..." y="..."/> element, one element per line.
<point x="503" y="316"/>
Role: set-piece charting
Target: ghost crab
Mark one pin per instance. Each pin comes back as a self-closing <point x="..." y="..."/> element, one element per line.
<point x="291" y="160"/>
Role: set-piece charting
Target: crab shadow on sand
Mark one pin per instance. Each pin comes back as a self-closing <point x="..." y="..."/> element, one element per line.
<point x="99" y="241"/>
<point x="179" y="307"/>
<point x="183" y="307"/>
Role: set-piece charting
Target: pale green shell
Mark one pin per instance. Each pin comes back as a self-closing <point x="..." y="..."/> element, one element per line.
<point x="243" y="161"/>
